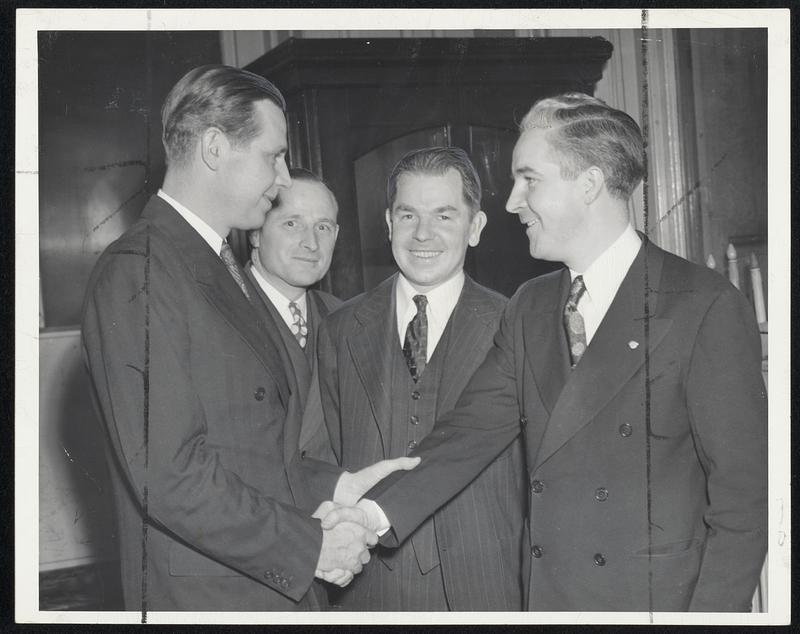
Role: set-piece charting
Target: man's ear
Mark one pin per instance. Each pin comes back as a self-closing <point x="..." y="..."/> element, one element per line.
<point x="213" y="145"/>
<point x="593" y="181"/>
<point x="389" y="222"/>
<point x="477" y="224"/>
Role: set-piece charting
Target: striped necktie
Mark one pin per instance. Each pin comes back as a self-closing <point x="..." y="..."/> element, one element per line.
<point x="226" y="254"/>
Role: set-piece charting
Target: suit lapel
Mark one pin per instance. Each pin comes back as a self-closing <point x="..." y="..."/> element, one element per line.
<point x="545" y="341"/>
<point x="220" y="289"/>
<point x="473" y="314"/>
<point x="618" y="349"/>
<point x="370" y="349"/>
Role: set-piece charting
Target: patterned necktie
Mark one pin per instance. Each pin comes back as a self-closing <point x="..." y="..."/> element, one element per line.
<point x="299" y="327"/>
<point x="573" y="321"/>
<point x="415" y="347"/>
<point x="226" y="253"/>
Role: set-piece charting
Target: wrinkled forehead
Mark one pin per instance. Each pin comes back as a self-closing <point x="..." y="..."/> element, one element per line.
<point x="307" y="198"/>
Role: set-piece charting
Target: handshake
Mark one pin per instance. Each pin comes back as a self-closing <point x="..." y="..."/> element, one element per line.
<point x="350" y="525"/>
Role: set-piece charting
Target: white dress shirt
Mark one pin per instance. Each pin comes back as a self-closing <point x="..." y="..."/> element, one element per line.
<point x="280" y="301"/>
<point x="442" y="301"/>
<point x="604" y="277"/>
<point x="213" y="239"/>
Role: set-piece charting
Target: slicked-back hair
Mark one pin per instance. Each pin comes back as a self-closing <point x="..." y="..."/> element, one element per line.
<point x="213" y="96"/>
<point x="584" y="131"/>
<point x="437" y="161"/>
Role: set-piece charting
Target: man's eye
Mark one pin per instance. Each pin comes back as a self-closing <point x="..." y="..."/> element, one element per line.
<point x="290" y="223"/>
<point x="323" y="228"/>
<point x="444" y="217"/>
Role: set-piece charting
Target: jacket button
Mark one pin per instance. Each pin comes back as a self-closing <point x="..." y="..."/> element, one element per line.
<point x="537" y="486"/>
<point x="537" y="551"/>
<point x="625" y="430"/>
<point x="268" y="574"/>
<point x="416" y="395"/>
<point x="412" y="445"/>
<point x="259" y="394"/>
<point x="303" y="454"/>
<point x="599" y="560"/>
<point x="414" y="419"/>
<point x="601" y="494"/>
<point x="523" y="421"/>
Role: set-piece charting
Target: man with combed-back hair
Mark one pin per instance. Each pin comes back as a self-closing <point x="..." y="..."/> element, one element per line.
<point x="197" y="395"/>
<point x="635" y="377"/>
<point x="393" y="358"/>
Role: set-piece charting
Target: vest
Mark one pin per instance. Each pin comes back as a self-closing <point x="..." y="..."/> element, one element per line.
<point x="413" y="416"/>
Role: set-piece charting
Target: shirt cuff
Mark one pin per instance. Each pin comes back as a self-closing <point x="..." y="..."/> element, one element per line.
<point x="377" y="518"/>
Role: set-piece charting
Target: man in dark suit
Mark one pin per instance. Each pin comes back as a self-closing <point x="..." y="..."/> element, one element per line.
<point x="635" y="378"/>
<point x="291" y="252"/>
<point x="201" y="413"/>
<point x="394" y="357"/>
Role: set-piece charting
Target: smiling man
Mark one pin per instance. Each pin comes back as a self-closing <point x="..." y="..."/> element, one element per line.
<point x="291" y="252"/>
<point x="394" y="358"/>
<point x="635" y="377"/>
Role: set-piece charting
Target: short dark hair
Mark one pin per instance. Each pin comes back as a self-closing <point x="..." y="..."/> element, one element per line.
<point x="585" y="131"/>
<point x="213" y="96"/>
<point x="438" y="160"/>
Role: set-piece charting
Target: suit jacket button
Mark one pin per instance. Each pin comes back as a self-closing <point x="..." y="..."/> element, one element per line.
<point x="537" y="551"/>
<point x="412" y="445"/>
<point x="625" y="430"/>
<point x="259" y="394"/>
<point x="416" y="395"/>
<point x="268" y="574"/>
<point x="523" y="421"/>
<point x="303" y="454"/>
<point x="601" y="494"/>
<point x="537" y="486"/>
<point x="414" y="419"/>
<point x="599" y="560"/>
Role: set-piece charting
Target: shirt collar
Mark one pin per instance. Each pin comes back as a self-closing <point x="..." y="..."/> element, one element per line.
<point x="213" y="239"/>
<point x="278" y="299"/>
<point x="604" y="276"/>
<point x="441" y="300"/>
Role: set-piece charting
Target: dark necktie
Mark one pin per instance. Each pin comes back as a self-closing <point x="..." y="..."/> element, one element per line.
<point x="573" y="321"/>
<point x="415" y="347"/>
<point x="226" y="253"/>
<point x="299" y="327"/>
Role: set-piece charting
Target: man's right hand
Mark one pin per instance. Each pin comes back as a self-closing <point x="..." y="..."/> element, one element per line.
<point x="345" y="549"/>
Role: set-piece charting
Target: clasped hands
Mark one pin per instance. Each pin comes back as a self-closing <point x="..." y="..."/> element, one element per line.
<point x="350" y="524"/>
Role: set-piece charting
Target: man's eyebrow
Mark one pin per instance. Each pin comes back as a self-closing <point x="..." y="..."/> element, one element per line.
<point x="524" y="169"/>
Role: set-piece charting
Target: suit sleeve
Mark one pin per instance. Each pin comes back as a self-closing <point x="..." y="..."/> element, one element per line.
<point x="138" y="352"/>
<point x="727" y="405"/>
<point x="462" y="443"/>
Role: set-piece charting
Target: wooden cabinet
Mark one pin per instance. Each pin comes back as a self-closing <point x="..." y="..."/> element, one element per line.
<point x="355" y="106"/>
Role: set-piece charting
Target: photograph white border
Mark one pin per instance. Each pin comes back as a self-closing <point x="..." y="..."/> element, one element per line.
<point x="30" y="21"/>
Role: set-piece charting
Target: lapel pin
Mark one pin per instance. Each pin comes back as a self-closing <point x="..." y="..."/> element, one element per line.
<point x="633" y="344"/>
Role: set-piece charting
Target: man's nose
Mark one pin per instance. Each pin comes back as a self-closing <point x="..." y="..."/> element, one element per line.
<point x="516" y="199"/>
<point x="310" y="240"/>
<point x="283" y="179"/>
<point x="422" y="231"/>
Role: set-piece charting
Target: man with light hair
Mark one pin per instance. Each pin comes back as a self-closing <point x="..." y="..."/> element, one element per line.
<point x="635" y="379"/>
